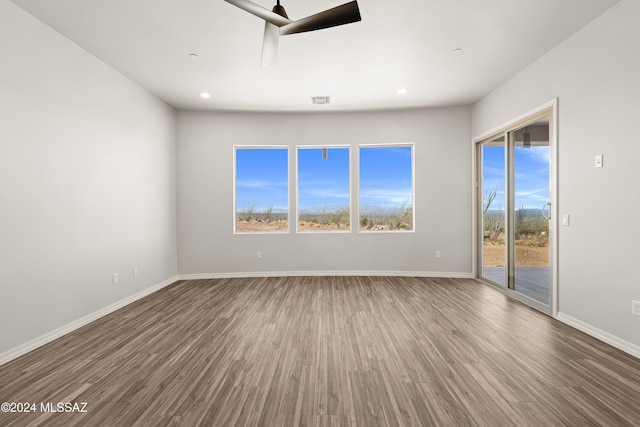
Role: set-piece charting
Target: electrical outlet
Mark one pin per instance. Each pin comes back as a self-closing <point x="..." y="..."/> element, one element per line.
<point x="259" y="255"/>
<point x="437" y="254"/>
<point x="599" y="161"/>
<point x="115" y="278"/>
<point x="635" y="307"/>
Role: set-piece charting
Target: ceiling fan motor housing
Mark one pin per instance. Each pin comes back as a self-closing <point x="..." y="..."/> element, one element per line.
<point x="280" y="10"/>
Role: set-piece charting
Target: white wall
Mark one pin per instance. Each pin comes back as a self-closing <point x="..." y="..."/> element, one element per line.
<point x="595" y="75"/>
<point x="87" y="182"/>
<point x="207" y="245"/>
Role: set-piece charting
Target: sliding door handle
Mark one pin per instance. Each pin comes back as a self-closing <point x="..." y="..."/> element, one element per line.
<point x="543" y="207"/>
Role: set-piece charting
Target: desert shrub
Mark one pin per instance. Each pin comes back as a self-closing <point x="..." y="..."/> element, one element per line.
<point x="493" y="224"/>
<point x="528" y="223"/>
<point x="249" y="212"/>
<point x="268" y="212"/>
<point x="308" y="218"/>
<point x="340" y="216"/>
<point x="400" y="218"/>
<point x="329" y="217"/>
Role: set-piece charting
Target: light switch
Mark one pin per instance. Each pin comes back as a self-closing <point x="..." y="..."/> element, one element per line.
<point x="565" y="219"/>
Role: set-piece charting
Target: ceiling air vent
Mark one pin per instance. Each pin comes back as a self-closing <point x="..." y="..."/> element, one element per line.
<point x="320" y="100"/>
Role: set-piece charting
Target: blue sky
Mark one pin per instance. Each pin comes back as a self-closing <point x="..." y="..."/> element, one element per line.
<point x="385" y="178"/>
<point x="262" y="178"/>
<point x="323" y="183"/>
<point x="531" y="178"/>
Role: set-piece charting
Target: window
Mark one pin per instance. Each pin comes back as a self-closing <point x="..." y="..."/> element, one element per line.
<point x="261" y="195"/>
<point x="386" y="188"/>
<point x="323" y="189"/>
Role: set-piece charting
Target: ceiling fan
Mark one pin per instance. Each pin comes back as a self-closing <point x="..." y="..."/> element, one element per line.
<point x="277" y="23"/>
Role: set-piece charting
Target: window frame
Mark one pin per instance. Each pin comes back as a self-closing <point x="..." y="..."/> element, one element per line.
<point x="297" y="185"/>
<point x="411" y="145"/>
<point x="235" y="196"/>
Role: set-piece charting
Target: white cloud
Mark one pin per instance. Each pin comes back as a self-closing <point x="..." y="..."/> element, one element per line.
<point x="256" y="183"/>
<point x="538" y="154"/>
<point x="528" y="197"/>
<point x="328" y="193"/>
<point x="386" y="197"/>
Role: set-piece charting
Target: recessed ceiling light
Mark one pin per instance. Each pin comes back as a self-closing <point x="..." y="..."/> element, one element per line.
<point x="457" y="50"/>
<point x="205" y="95"/>
<point x="403" y="91"/>
<point x="193" y="56"/>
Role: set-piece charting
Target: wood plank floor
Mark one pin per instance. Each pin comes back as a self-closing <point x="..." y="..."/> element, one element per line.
<point x="326" y="351"/>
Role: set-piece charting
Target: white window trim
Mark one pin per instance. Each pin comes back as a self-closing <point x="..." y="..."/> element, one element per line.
<point x="413" y="186"/>
<point x="297" y="184"/>
<point x="234" y="207"/>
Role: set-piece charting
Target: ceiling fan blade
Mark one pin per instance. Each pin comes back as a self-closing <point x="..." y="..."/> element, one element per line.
<point x="270" y="44"/>
<point x="261" y="12"/>
<point x="339" y="15"/>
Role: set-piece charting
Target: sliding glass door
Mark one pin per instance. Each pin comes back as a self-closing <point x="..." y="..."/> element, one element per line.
<point x="514" y="205"/>
<point x="493" y="248"/>
<point x="531" y="207"/>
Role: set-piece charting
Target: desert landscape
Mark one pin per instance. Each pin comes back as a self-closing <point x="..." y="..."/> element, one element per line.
<point x="526" y="255"/>
<point x="326" y="220"/>
<point x="531" y="238"/>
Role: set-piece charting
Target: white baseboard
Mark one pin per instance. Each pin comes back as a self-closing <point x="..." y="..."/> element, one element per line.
<point x="206" y="276"/>
<point x="25" y="348"/>
<point x="617" y="342"/>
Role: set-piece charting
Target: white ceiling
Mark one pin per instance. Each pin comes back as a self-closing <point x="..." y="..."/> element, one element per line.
<point x="401" y="43"/>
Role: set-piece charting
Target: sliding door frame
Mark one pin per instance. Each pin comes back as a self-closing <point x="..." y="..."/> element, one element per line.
<point x="549" y="109"/>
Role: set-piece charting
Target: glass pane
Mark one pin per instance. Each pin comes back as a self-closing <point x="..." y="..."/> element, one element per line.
<point x="493" y="211"/>
<point x="323" y="189"/>
<point x="262" y="190"/>
<point x="531" y="224"/>
<point x="386" y="188"/>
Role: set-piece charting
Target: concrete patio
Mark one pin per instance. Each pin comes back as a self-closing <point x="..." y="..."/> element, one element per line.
<point x="532" y="282"/>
